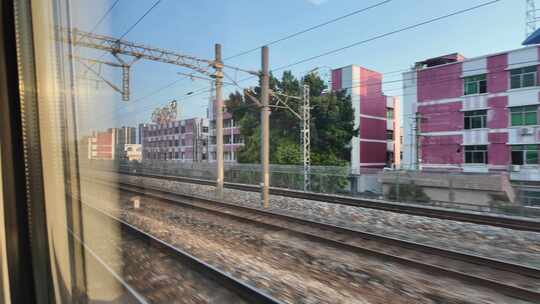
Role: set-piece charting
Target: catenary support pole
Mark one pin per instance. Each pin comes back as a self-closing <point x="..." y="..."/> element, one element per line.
<point x="265" y="128"/>
<point x="306" y="137"/>
<point x="218" y="65"/>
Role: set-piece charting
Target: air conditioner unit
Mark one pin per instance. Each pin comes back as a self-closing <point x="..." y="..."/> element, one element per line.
<point x="526" y="131"/>
<point x="515" y="168"/>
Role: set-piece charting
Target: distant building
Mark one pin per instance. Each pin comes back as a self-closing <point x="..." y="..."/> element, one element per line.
<point x="474" y="114"/>
<point x="123" y="136"/>
<point x="185" y="140"/>
<point x="133" y="152"/>
<point x="110" y="144"/>
<point x="101" y="145"/>
<point x="232" y="140"/>
<point x="376" y="116"/>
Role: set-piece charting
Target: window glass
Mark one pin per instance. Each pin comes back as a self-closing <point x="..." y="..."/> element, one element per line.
<point x="522" y="116"/>
<point x="475" y="119"/>
<point x="475" y="84"/>
<point x="476" y="154"/>
<point x="390" y="135"/>
<point x="523" y="77"/>
<point x="389" y="113"/>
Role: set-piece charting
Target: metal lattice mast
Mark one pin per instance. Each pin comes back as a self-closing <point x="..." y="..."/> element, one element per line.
<point x="306" y="137"/>
<point x="530" y="17"/>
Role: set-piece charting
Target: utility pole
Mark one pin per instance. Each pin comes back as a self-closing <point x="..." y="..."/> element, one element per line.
<point x="306" y="137"/>
<point x="218" y="66"/>
<point x="265" y="127"/>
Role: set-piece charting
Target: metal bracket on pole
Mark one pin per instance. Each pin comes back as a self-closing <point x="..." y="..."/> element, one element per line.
<point x="252" y="98"/>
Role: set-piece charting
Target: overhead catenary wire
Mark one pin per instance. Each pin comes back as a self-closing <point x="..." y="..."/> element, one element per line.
<point x="377" y="37"/>
<point x="140" y="19"/>
<point x="98" y="23"/>
<point x="393" y="32"/>
<point x="309" y="29"/>
<point x="356" y="12"/>
<point x="130" y="28"/>
<point x="447" y="79"/>
<point x="431" y="20"/>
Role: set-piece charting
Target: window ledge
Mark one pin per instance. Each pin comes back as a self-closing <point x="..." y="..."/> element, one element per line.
<point x="523" y="89"/>
<point x="526" y="126"/>
<point x="474" y="109"/>
<point x="474" y="95"/>
<point x="477" y="129"/>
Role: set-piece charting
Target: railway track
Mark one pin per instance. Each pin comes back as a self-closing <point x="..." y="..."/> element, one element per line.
<point x="511" y="279"/>
<point x="221" y="287"/>
<point x="503" y="221"/>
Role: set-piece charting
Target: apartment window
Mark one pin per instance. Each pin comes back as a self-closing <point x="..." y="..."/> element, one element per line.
<point x="475" y="84"/>
<point x="176" y="142"/>
<point x="476" y="154"/>
<point x="227" y="139"/>
<point x="182" y="155"/>
<point x="523" y="77"/>
<point x="524" y="116"/>
<point x="205" y="129"/>
<point x="176" y="130"/>
<point x="183" y="129"/>
<point x="183" y="142"/>
<point x="389" y="113"/>
<point x="176" y="155"/>
<point x="525" y="155"/>
<point x="475" y="119"/>
<point x="238" y="139"/>
<point x="390" y="134"/>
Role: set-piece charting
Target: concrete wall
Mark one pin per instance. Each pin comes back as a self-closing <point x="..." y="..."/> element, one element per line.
<point x="462" y="188"/>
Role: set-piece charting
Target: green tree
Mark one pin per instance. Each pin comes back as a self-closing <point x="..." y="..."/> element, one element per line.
<point x="332" y="123"/>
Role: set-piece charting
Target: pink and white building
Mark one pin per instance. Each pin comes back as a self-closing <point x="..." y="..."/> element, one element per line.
<point x="376" y="116"/>
<point x="232" y="140"/>
<point x="184" y="140"/>
<point x="474" y="114"/>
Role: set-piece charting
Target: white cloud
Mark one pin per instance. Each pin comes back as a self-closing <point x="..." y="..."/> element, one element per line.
<point x="316" y="2"/>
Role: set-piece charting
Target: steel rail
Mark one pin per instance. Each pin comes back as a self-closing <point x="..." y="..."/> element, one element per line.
<point x="244" y="291"/>
<point x="510" y="222"/>
<point x="512" y="290"/>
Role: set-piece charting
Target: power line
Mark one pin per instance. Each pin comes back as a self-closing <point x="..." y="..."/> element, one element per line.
<point x="130" y="28"/>
<point x="104" y="16"/>
<point x="309" y="29"/>
<point x="447" y="79"/>
<point x="291" y="35"/>
<point x="140" y="19"/>
<point x="197" y="92"/>
<point x="460" y="72"/>
<point x="403" y="29"/>
<point x="377" y="37"/>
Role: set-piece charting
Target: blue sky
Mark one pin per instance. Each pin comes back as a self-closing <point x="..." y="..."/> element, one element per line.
<point x="192" y="27"/>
